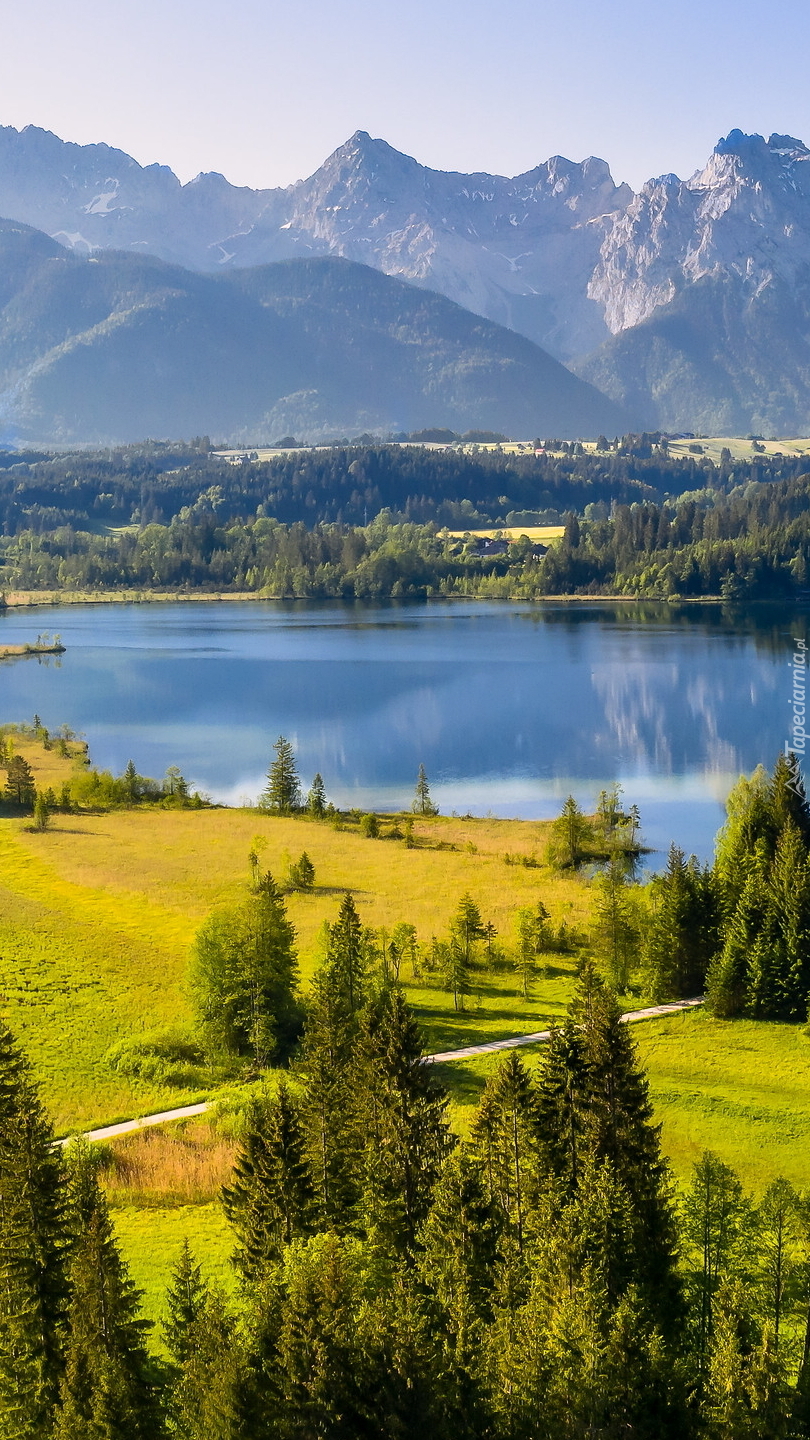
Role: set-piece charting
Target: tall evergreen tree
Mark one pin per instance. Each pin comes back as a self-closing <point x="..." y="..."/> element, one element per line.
<point x="329" y="1102"/>
<point x="282" y="793"/>
<point x="108" y="1389"/>
<point x="316" y="798"/>
<point x="245" y="977"/>
<point x="270" y="1199"/>
<point x="347" y="954"/>
<point x="788" y="796"/>
<point x="422" y="803"/>
<point x="459" y="1240"/>
<point x="681" y="936"/>
<point x="33" y="1238"/>
<point x="569" y="835"/>
<point x="620" y="1131"/>
<point x="715" y="1221"/>
<point x="209" y="1397"/>
<point x="505" y="1135"/>
<point x="185" y="1301"/>
<point x="615" y="931"/>
<point x="562" y="1100"/>
<point x="402" y="1118"/>
<point x="20" y="787"/>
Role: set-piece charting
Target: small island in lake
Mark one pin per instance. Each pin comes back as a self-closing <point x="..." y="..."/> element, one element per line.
<point x="44" y="645"/>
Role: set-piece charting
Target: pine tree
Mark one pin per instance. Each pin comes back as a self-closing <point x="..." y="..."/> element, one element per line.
<point x="316" y="798"/>
<point x="42" y="814"/>
<point x="788" y="796"/>
<point x="505" y="1135"/>
<point x="402" y="1119"/>
<point x="569" y="835"/>
<point x="422" y="803"/>
<point x="245" y="977"/>
<point x="20" y="786"/>
<point x="562" y="1098"/>
<point x="727" y="983"/>
<point x="270" y="1199"/>
<point x="746" y="1397"/>
<point x="615" y="931"/>
<point x="715" y="1217"/>
<point x="348" y="954"/>
<point x="329" y="1101"/>
<point x="620" y="1131"/>
<point x="749" y="827"/>
<point x="777" y="1232"/>
<point x="459" y="1240"/>
<point x="33" y="1240"/>
<point x="208" y="1399"/>
<point x="282" y="795"/>
<point x="185" y="1302"/>
<point x="681" y="936"/>
<point x="131" y="780"/>
<point x="532" y="933"/>
<point x="107" y="1390"/>
<point x="319" y="1366"/>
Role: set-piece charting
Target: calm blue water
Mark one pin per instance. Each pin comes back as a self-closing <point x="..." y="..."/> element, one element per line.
<point x="509" y="707"/>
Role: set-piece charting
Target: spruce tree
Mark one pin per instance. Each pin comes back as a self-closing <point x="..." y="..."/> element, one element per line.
<point x="108" y="1389"/>
<point x="715" y="1219"/>
<point x="316" y="798"/>
<point x="270" y="1199"/>
<point x="185" y="1301"/>
<point x="620" y="1131"/>
<point x="681" y="935"/>
<point x="788" y="796"/>
<point x="245" y="977"/>
<point x="282" y="794"/>
<point x="347" y="954"/>
<point x="569" y="835"/>
<point x="615" y="931"/>
<point x="561" y="1106"/>
<point x="505" y="1135"/>
<point x="402" y="1119"/>
<point x="20" y="786"/>
<point x="33" y="1239"/>
<point x="422" y="803"/>
<point x="329" y="1102"/>
<point x="459" y="1240"/>
<point x="727" y="982"/>
<point x="209" y="1394"/>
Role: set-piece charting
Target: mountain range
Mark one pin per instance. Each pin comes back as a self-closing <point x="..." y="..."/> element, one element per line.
<point x="687" y="303"/>
<point x="115" y="346"/>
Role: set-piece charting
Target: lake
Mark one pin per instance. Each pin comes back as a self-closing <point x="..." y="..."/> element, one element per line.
<point x="509" y="706"/>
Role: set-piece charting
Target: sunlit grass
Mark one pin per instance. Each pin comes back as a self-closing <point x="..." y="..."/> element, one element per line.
<point x="98" y="916"/>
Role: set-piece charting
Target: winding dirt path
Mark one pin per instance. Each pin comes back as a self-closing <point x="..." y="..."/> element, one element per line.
<point x="187" y="1112"/>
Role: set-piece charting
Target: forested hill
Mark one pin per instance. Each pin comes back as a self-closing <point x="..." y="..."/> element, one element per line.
<point x="749" y="541"/>
<point x="351" y="483"/>
<point x="116" y="346"/>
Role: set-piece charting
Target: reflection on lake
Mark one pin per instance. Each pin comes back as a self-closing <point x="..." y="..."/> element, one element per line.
<point x="509" y="707"/>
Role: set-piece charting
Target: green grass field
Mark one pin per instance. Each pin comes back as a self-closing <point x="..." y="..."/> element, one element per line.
<point x="98" y="916"/>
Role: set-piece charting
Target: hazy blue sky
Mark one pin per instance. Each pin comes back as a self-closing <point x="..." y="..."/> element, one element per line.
<point x="263" y="91"/>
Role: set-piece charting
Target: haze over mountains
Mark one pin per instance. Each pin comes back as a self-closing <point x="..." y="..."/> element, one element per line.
<point x="687" y="303"/>
<point x="115" y="347"/>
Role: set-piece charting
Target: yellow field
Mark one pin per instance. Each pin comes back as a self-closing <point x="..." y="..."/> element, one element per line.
<point x="513" y="532"/>
<point x="98" y="916"/>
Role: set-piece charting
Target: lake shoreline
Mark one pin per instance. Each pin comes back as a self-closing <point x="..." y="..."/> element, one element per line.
<point x="30" y="599"/>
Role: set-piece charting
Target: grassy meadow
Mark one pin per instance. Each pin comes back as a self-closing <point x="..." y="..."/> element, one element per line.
<point x="98" y="916"/>
<point x="97" y="920"/>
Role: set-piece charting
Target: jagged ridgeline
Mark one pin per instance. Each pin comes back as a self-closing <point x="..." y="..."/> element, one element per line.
<point x="686" y="303"/>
